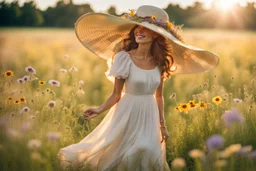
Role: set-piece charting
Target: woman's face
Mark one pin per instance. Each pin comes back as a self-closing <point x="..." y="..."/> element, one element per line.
<point x="144" y="35"/>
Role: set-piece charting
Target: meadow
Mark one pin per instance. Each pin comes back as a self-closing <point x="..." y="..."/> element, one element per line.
<point x="48" y="78"/>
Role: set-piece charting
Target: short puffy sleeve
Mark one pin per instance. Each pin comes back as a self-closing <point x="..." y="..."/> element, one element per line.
<point x="120" y="67"/>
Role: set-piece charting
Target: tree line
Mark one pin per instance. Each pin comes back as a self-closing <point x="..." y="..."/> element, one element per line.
<point x="64" y="14"/>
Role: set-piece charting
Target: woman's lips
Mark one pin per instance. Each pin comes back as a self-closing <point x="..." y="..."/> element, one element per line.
<point x="140" y="36"/>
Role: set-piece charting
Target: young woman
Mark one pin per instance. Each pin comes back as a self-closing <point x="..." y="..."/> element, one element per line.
<point x="144" y="46"/>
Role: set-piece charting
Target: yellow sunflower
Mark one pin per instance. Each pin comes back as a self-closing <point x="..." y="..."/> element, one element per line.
<point x="22" y="99"/>
<point x="185" y="107"/>
<point x="8" y="73"/>
<point x="17" y="101"/>
<point x="217" y="100"/>
<point x="9" y="98"/>
<point x="41" y="82"/>
<point x="202" y="105"/>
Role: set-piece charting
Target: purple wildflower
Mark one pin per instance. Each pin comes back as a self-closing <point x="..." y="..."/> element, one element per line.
<point x="231" y="117"/>
<point x="214" y="142"/>
<point x="252" y="155"/>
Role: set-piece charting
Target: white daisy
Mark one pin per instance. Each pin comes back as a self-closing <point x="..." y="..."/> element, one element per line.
<point x="63" y="70"/>
<point x="25" y="109"/>
<point x="30" y="69"/>
<point x="73" y="69"/>
<point x="26" y="78"/>
<point x="34" y="144"/>
<point x="51" y="104"/>
<point x="54" y="82"/>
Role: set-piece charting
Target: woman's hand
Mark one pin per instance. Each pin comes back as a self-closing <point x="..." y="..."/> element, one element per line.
<point x="164" y="133"/>
<point x="91" y="113"/>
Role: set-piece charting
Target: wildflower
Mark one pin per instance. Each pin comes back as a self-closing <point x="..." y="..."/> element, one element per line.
<point x="245" y="149"/>
<point x="48" y="90"/>
<point x="214" y="142"/>
<point x="30" y="69"/>
<point x="178" y="108"/>
<point x="8" y="73"/>
<point x="41" y="82"/>
<point x="63" y="70"/>
<point x="25" y="126"/>
<point x="9" y="98"/>
<point x="25" y="109"/>
<point x="192" y="104"/>
<point x="196" y="153"/>
<point x="169" y="26"/>
<point x="230" y="150"/>
<point x="12" y="114"/>
<point x="172" y="96"/>
<point x="81" y="90"/>
<point x="231" y="117"/>
<point x="34" y="144"/>
<point x="54" y="82"/>
<point x="217" y="100"/>
<point x="153" y="17"/>
<point x="37" y="156"/>
<point x="51" y="104"/>
<point x="252" y="155"/>
<point x="53" y="136"/>
<point x="73" y="69"/>
<point x="81" y="82"/>
<point x="17" y="101"/>
<point x="123" y="17"/>
<point x="22" y="99"/>
<point x="220" y="163"/>
<point x="178" y="163"/>
<point x="26" y="78"/>
<point x="32" y="117"/>
<point x="132" y="13"/>
<point x="202" y="105"/>
<point x="12" y="133"/>
<point x="20" y="80"/>
<point x="185" y="107"/>
<point x="236" y="100"/>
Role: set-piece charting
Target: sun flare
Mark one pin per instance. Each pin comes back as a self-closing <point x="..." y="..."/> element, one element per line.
<point x="226" y="6"/>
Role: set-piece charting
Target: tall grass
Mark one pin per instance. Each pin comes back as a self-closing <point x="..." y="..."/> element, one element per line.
<point x="30" y="140"/>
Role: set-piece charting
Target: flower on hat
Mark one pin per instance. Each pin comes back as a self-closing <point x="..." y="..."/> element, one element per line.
<point x="153" y="17"/>
<point x="132" y="13"/>
<point x="169" y="25"/>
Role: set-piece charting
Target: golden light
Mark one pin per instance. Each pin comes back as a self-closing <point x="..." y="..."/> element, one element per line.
<point x="224" y="5"/>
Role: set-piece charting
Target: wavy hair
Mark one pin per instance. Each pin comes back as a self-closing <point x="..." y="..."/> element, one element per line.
<point x="160" y="50"/>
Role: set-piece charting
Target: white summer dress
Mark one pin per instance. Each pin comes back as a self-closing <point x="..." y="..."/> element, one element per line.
<point x="128" y="138"/>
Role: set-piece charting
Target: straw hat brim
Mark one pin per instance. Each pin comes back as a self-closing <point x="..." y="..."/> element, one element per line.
<point x="102" y="34"/>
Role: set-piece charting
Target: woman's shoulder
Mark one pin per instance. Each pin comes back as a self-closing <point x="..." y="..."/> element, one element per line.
<point x="122" y="55"/>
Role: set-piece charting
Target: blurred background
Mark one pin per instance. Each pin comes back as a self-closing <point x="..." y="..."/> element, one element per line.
<point x="232" y="14"/>
<point x="37" y="118"/>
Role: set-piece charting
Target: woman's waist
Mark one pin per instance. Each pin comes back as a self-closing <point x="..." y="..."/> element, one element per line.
<point x="139" y="94"/>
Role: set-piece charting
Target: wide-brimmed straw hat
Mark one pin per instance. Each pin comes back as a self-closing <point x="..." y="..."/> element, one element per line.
<point x="103" y="34"/>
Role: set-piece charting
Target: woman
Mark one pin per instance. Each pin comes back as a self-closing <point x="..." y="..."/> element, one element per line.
<point x="133" y="134"/>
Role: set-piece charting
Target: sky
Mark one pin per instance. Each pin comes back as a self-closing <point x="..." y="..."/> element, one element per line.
<point x="125" y="5"/>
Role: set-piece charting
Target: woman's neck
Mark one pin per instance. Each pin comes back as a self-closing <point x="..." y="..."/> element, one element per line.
<point x="143" y="50"/>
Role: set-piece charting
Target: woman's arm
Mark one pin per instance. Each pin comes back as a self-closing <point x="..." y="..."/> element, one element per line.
<point x="113" y="99"/>
<point x="160" y="102"/>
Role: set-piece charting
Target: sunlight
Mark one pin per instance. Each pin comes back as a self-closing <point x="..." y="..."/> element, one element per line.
<point x="225" y="6"/>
